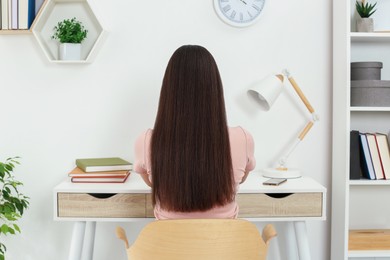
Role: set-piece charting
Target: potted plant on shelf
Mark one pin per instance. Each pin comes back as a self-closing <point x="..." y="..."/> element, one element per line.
<point x="70" y="33"/>
<point x="364" y="23"/>
<point x="12" y="201"/>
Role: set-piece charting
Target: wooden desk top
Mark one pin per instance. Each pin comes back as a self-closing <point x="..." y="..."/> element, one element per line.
<point x="135" y="184"/>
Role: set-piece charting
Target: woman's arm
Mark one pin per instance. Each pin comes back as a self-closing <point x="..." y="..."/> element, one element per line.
<point x="244" y="177"/>
<point x="140" y="165"/>
<point x="145" y="177"/>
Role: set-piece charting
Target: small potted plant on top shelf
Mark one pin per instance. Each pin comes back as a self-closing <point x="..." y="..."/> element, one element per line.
<point x="70" y="33"/>
<point x="364" y="23"/>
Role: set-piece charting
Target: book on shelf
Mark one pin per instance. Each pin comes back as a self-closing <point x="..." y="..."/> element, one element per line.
<point x="77" y="172"/>
<point x="38" y="5"/>
<point x="355" y="172"/>
<point x="384" y="153"/>
<point x="23" y="14"/>
<point x="31" y="13"/>
<point x="103" y="164"/>
<point x="102" y="179"/>
<point x="14" y="14"/>
<point x="4" y="14"/>
<point x="376" y="161"/>
<point x="366" y="162"/>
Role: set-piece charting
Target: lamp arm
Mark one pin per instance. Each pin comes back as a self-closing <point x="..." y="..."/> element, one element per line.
<point x="298" y="91"/>
<point x="302" y="134"/>
<point x="306" y="129"/>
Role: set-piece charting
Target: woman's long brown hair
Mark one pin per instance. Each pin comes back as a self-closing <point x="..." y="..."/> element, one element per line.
<point x="190" y="149"/>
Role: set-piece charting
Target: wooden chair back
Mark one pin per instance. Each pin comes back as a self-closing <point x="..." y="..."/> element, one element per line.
<point x="199" y="239"/>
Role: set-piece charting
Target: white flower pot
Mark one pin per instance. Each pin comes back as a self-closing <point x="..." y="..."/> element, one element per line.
<point x="70" y="51"/>
<point x="365" y="24"/>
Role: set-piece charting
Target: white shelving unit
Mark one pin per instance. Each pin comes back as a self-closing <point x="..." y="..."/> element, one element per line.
<point x="356" y="204"/>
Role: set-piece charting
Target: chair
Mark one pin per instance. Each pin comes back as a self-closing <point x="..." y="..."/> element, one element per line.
<point x="199" y="239"/>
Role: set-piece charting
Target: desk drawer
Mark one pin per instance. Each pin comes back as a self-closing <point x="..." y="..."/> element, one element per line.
<point x="282" y="205"/>
<point x="123" y="205"/>
<point x="149" y="206"/>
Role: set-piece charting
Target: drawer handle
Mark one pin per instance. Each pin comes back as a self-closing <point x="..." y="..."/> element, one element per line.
<point x="278" y="195"/>
<point x="102" y="195"/>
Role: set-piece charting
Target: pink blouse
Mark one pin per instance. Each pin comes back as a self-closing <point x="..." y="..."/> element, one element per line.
<point x="242" y="152"/>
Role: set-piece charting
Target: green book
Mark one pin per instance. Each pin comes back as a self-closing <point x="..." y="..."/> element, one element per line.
<point x="103" y="164"/>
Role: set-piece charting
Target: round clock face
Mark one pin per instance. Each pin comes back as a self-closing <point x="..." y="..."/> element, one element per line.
<point x="239" y="13"/>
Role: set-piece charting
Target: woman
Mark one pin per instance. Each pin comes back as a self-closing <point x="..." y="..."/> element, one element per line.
<point x="192" y="160"/>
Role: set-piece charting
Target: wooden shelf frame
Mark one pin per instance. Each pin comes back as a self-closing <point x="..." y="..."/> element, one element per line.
<point x="55" y="11"/>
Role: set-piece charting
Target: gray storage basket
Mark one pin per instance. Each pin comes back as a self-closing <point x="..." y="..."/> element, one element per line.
<point x="366" y="70"/>
<point x="372" y="93"/>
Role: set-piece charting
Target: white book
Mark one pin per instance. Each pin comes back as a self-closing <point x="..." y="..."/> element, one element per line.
<point x="368" y="168"/>
<point x="376" y="161"/>
<point x="4" y="14"/>
<point x="14" y="14"/>
<point x="23" y="15"/>
<point x="9" y="13"/>
<point x="38" y="5"/>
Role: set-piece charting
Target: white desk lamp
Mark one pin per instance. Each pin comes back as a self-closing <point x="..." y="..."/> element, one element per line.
<point x="265" y="93"/>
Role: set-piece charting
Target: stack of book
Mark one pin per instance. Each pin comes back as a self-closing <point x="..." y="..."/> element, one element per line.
<point x="18" y="14"/>
<point x="369" y="156"/>
<point x="101" y="170"/>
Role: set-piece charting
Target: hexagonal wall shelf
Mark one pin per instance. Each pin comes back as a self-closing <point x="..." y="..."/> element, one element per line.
<point x="54" y="11"/>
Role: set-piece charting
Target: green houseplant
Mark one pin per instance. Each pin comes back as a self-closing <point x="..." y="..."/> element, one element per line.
<point x="70" y="33"/>
<point x="365" y="10"/>
<point x="364" y="23"/>
<point x="12" y="201"/>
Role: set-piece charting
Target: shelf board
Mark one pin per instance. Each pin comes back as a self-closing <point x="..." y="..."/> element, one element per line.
<point x="374" y="36"/>
<point x="15" y="32"/>
<point x="368" y="253"/>
<point x="368" y="182"/>
<point x="369" y="109"/>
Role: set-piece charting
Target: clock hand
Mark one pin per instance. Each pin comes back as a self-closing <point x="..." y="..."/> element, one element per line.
<point x="243" y="1"/>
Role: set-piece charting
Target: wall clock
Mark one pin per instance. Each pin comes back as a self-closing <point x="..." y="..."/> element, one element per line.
<point x="239" y="13"/>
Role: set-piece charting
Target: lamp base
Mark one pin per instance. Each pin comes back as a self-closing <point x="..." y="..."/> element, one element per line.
<point x="278" y="173"/>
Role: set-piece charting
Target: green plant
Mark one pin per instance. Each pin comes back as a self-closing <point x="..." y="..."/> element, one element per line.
<point x="69" y="31"/>
<point x="365" y="10"/>
<point x="12" y="201"/>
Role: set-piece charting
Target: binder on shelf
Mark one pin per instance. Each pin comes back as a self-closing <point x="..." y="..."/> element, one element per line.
<point x="355" y="172"/>
<point x="384" y="153"/>
<point x="366" y="162"/>
<point x="376" y="161"/>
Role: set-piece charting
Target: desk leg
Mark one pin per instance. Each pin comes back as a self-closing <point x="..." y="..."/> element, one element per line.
<point x="302" y="240"/>
<point x="90" y="240"/>
<point x="289" y="242"/>
<point x="76" y="245"/>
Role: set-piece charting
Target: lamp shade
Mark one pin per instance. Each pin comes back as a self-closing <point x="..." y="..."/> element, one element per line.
<point x="266" y="91"/>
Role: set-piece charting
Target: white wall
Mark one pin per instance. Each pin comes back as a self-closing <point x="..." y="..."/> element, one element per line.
<point x="52" y="114"/>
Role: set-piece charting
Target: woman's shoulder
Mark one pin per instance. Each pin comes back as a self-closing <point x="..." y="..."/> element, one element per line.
<point x="144" y="137"/>
<point x="145" y="133"/>
<point x="239" y="131"/>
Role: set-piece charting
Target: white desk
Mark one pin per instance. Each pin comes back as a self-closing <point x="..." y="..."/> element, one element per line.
<point x="295" y="202"/>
